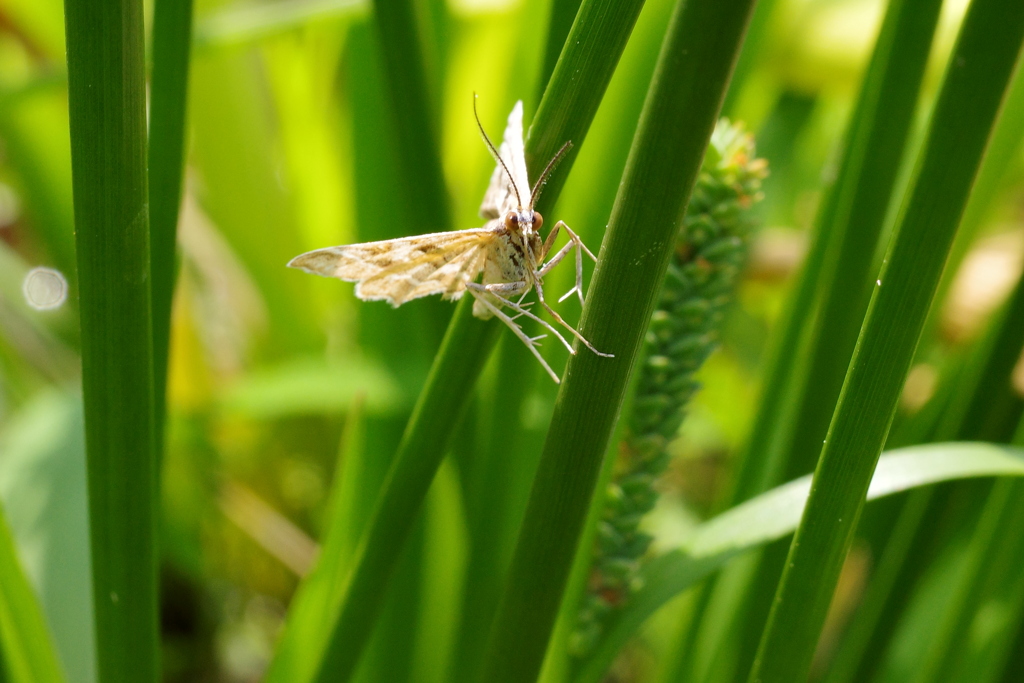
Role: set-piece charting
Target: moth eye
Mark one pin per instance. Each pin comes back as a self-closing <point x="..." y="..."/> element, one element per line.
<point x="538" y="220"/>
<point x="511" y="220"/>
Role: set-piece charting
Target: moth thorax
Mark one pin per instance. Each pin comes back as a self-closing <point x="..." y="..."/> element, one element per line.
<point x="522" y="220"/>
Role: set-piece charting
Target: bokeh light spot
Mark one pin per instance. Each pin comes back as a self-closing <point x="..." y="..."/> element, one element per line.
<point x="44" y="288"/>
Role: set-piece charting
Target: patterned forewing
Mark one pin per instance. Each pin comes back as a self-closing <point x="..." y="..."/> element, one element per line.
<point x="403" y="269"/>
<point x="500" y="197"/>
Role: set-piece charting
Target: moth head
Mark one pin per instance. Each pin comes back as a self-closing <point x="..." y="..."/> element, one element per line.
<point x="516" y="221"/>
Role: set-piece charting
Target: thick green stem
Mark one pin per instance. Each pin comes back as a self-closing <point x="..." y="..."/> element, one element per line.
<point x="679" y="116"/>
<point x="107" y="103"/>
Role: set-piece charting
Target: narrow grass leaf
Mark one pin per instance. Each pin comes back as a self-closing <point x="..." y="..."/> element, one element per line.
<point x="172" y="42"/>
<point x="413" y="107"/>
<point x="687" y="91"/>
<point x="979" y="70"/>
<point x="995" y="532"/>
<point x="853" y="216"/>
<point x="839" y="257"/>
<point x="106" y="99"/>
<point x="576" y="88"/>
<point x="775" y="514"/>
<point x="560" y="20"/>
<point x="402" y="496"/>
<point x="27" y="653"/>
<point x="302" y="634"/>
<point x="44" y="498"/>
<point x="984" y="406"/>
<point x="981" y="406"/>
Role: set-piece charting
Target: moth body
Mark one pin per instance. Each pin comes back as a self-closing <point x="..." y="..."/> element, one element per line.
<point x="507" y="254"/>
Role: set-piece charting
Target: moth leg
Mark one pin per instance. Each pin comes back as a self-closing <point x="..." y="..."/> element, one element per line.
<point x="496" y="289"/>
<point x="558" y="319"/>
<point x="482" y="297"/>
<point x="555" y="260"/>
<point x="526" y="305"/>
<point x="550" y="241"/>
<point x="574" y="241"/>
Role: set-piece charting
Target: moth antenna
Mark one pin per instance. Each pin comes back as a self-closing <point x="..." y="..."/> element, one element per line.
<point x="547" y="171"/>
<point x="494" y="153"/>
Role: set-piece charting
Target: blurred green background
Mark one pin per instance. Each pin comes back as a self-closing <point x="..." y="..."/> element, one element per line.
<point x="279" y="381"/>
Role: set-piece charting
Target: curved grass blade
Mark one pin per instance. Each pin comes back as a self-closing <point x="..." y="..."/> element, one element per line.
<point x="682" y="105"/>
<point x="775" y="514"/>
<point x="107" y="106"/>
<point x="172" y="29"/>
<point x="27" y="653"/>
<point x="980" y="67"/>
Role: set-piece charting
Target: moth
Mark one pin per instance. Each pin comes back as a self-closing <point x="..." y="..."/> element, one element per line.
<point x="508" y="251"/>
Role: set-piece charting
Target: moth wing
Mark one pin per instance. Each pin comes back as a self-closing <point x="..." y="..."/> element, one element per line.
<point x="500" y="197"/>
<point x="407" y="268"/>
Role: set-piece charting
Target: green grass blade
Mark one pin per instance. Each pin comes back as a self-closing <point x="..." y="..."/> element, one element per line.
<point x="854" y="213"/>
<point x="406" y="338"/>
<point x="679" y="115"/>
<point x="33" y="123"/>
<point x="497" y="467"/>
<point x="757" y="35"/>
<point x="587" y="68"/>
<point x="27" y="654"/>
<point x="43" y="493"/>
<point x="865" y="640"/>
<point x="172" y="28"/>
<point x="821" y="320"/>
<point x="985" y="661"/>
<point x="774" y="515"/>
<point x="840" y="255"/>
<point x="980" y="69"/>
<point x="560" y="20"/>
<point x="995" y="532"/>
<point x="985" y="405"/>
<point x="1004" y="147"/>
<point x="575" y="89"/>
<point x="413" y="107"/>
<point x="982" y="406"/>
<point x="404" y="490"/>
<point x="106" y="83"/>
<point x="409" y="106"/>
<point x="302" y="633"/>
